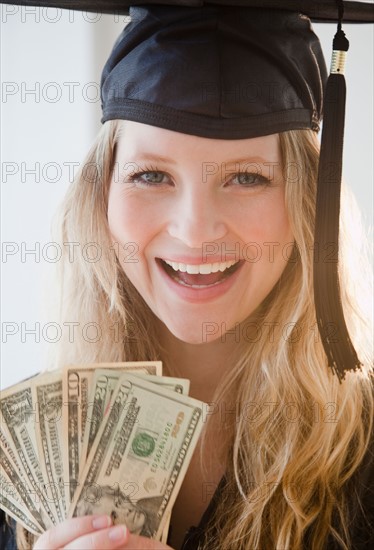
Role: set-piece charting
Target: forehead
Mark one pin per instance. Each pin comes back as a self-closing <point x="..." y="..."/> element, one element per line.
<point x="136" y="140"/>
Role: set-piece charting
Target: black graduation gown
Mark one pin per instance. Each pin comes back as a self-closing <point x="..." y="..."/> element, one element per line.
<point x="360" y="490"/>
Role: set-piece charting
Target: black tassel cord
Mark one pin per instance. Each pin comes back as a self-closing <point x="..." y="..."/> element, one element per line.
<point x="341" y="354"/>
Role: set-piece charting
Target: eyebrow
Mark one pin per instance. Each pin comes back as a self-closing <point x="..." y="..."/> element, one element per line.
<point x="166" y="160"/>
<point x="252" y="160"/>
<point x="156" y="158"/>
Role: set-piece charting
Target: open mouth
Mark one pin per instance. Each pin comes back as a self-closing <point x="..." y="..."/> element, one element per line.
<point x="199" y="275"/>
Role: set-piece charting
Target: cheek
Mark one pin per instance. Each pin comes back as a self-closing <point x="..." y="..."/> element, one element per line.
<point x="278" y="237"/>
<point x="266" y="221"/>
<point x="133" y="226"/>
<point x="127" y="221"/>
<point x="126" y="235"/>
<point x="120" y="217"/>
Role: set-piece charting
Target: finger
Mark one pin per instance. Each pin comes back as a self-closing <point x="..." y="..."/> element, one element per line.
<point x="63" y="533"/>
<point x="142" y="543"/>
<point x="105" y="539"/>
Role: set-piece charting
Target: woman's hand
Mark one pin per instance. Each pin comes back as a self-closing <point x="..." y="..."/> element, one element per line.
<point x="94" y="533"/>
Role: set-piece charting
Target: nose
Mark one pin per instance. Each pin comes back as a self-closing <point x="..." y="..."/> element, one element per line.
<point x="197" y="217"/>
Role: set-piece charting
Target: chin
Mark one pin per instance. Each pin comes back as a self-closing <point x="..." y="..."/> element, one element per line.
<point x="187" y="337"/>
<point x="202" y="332"/>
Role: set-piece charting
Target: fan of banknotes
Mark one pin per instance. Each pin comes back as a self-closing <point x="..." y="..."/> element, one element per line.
<point x="113" y="438"/>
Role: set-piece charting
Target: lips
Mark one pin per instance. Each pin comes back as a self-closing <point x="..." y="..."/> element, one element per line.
<point x="199" y="275"/>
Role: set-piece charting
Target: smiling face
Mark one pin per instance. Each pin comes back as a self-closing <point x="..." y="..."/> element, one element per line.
<point x="201" y="225"/>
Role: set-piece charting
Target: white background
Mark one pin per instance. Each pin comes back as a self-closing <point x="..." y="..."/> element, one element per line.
<point x="58" y="47"/>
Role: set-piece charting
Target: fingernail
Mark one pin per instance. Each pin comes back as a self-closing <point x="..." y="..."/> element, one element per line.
<point x="101" y="522"/>
<point x="118" y="533"/>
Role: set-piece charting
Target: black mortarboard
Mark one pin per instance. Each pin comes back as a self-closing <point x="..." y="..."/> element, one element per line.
<point x="240" y="69"/>
<point x="321" y="10"/>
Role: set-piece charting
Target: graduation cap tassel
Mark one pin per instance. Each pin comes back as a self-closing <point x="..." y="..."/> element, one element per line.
<point x="339" y="349"/>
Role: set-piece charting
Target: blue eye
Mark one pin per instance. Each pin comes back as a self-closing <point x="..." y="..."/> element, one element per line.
<point x="147" y="178"/>
<point x="153" y="177"/>
<point x="250" y="179"/>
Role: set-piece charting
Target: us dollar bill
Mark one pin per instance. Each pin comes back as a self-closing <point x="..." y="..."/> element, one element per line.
<point x="18" y="494"/>
<point x="178" y="385"/>
<point x="8" y="449"/>
<point x="103" y="385"/>
<point x="19" y="420"/>
<point x="47" y="394"/>
<point x="165" y="530"/>
<point x="11" y="502"/>
<point x="76" y="382"/>
<point x="140" y="456"/>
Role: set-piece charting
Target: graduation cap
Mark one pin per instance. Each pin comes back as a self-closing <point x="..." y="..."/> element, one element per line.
<point x="176" y="64"/>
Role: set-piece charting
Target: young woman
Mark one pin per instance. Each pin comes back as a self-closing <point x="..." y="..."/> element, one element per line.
<point x="207" y="264"/>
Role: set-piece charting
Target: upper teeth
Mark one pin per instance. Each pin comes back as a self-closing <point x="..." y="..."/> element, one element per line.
<point x="204" y="269"/>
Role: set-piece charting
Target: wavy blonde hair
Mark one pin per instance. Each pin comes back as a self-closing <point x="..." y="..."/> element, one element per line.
<point x="284" y="474"/>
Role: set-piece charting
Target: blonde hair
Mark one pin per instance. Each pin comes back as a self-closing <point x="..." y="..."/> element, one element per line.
<point x="284" y="475"/>
<point x="287" y="474"/>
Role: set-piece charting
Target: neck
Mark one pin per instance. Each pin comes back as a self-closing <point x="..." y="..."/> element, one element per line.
<point x="203" y="364"/>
